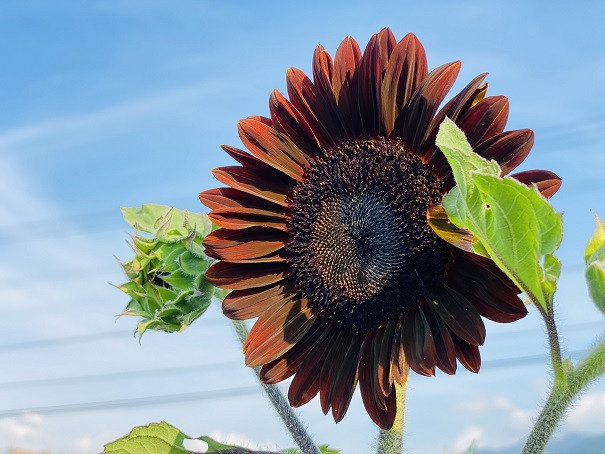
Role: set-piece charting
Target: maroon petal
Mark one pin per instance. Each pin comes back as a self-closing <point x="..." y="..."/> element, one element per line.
<point x="406" y="69"/>
<point x="225" y="198"/>
<point x="277" y="331"/>
<point x="468" y="354"/>
<point x="310" y="103"/>
<point x="337" y="351"/>
<point x="547" y="182"/>
<point x="346" y="379"/>
<point x="252" y="302"/>
<point x="240" y="276"/>
<point x="289" y="363"/>
<point x="346" y="87"/>
<point x="509" y="149"/>
<point x="372" y="67"/>
<point x="444" y="346"/>
<point x="425" y="101"/>
<point x="418" y="343"/>
<point x="250" y="243"/>
<point x="459" y="314"/>
<point x="305" y="384"/>
<point x="273" y="147"/>
<point x="290" y="121"/>
<point x="385" y="358"/>
<point x="485" y="119"/>
<point x="268" y="186"/>
<point x="243" y="218"/>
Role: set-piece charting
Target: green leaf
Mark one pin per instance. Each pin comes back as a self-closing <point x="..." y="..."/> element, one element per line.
<point x="156" y="438"/>
<point x="513" y="224"/>
<point x="144" y="218"/>
<point x="161" y="438"/>
<point x="595" y="265"/>
<point x="192" y="265"/>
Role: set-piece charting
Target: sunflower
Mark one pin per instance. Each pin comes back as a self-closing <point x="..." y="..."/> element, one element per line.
<point x="333" y="234"/>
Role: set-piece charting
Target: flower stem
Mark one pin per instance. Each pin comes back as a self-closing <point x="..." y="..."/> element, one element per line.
<point x="592" y="367"/>
<point x="553" y="340"/>
<point x="279" y="402"/>
<point x="391" y="441"/>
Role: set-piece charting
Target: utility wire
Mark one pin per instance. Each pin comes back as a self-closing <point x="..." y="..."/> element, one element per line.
<point x="132" y="402"/>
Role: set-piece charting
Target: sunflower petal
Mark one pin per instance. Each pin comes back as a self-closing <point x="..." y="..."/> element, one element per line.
<point x="308" y="101"/>
<point x="346" y="380"/>
<point x="290" y="122"/>
<point x="385" y="359"/>
<point x="273" y="147"/>
<point x="246" y="180"/>
<point x="250" y="303"/>
<point x="345" y="85"/>
<point x="250" y="243"/>
<point x="243" y="218"/>
<point x="334" y="360"/>
<point x="547" y="182"/>
<point x="444" y="346"/>
<point x="406" y="69"/>
<point x="509" y="149"/>
<point x="289" y="363"/>
<point x="224" y="198"/>
<point x="425" y="101"/>
<point x="275" y="332"/>
<point x="416" y="336"/>
<point x="439" y="221"/>
<point x="459" y="314"/>
<point x="468" y="354"/>
<point x="240" y="276"/>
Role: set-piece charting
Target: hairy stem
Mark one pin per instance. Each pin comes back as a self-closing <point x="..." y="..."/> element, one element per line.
<point x="555" y="347"/>
<point x="391" y="441"/>
<point x="281" y="405"/>
<point x="563" y="393"/>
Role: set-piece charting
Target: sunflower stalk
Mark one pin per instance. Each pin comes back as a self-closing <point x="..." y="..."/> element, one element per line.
<point x="561" y="396"/>
<point x="279" y="402"/>
<point x="391" y="441"/>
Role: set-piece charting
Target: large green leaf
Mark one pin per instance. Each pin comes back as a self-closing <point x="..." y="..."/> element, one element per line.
<point x="513" y="224"/>
<point x="159" y="438"/>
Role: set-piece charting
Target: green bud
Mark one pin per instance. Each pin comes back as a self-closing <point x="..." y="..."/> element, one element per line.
<point x="166" y="277"/>
<point x="594" y="255"/>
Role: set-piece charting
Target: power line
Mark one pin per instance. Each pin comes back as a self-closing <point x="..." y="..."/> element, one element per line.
<point x="132" y="402"/>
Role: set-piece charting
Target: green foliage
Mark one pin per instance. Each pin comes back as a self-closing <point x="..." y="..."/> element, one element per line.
<point x="158" y="438"/>
<point x="166" y="278"/>
<point x="511" y="223"/>
<point x="594" y="255"/>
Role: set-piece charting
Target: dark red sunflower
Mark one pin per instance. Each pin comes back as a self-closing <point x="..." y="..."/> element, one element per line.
<point x="333" y="235"/>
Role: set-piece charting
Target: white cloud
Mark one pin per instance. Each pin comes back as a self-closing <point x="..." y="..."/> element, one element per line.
<point x="20" y="430"/>
<point x="471" y="436"/>
<point x="587" y="415"/>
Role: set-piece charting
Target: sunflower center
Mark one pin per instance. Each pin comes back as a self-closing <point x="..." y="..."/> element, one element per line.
<point x="361" y="249"/>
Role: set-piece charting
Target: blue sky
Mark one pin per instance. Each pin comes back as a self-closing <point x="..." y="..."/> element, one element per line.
<point x="119" y="103"/>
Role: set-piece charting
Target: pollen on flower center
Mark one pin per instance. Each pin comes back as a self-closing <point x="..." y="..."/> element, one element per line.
<point x="362" y="250"/>
<point x="356" y="243"/>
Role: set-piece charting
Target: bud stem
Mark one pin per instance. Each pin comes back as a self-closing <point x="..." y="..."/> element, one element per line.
<point x="391" y="441"/>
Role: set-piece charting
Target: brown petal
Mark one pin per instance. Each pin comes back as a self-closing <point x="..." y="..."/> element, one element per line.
<point x="468" y="354"/>
<point x="305" y="384"/>
<point x="371" y="70"/>
<point x="346" y="87"/>
<point x="401" y="369"/>
<point x="273" y="147"/>
<point x="332" y="363"/>
<point x="547" y="182"/>
<point x="310" y="103"/>
<point x="242" y="218"/>
<point x="385" y="358"/>
<point x="276" y="332"/>
<point x="289" y="363"/>
<point x="290" y="121"/>
<point x="484" y="120"/>
<point x="438" y="220"/>
<point x="459" y="314"/>
<point x="240" y="276"/>
<point x="509" y="149"/>
<point x="456" y="106"/>
<point x="346" y="380"/>
<point x="250" y="243"/>
<point x="425" y="101"/>
<point x="224" y="198"/>
<point x="268" y="187"/>
<point x="406" y="69"/>
<point x="444" y="346"/>
<point x="252" y="302"/>
<point x="323" y="70"/>
<point x="418" y="343"/>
